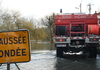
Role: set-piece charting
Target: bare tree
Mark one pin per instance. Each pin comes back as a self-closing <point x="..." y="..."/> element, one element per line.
<point x="12" y="20"/>
<point x="49" y="23"/>
<point x="16" y="19"/>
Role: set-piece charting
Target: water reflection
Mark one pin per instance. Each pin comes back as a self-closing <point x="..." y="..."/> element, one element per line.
<point x="43" y="57"/>
<point x="69" y="62"/>
<point x="42" y="45"/>
<point x="46" y="60"/>
<point x="76" y="64"/>
<point x="98" y="61"/>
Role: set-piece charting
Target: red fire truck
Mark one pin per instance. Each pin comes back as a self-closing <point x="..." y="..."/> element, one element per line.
<point x="76" y="34"/>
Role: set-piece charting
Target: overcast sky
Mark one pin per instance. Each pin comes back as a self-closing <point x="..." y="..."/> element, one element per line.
<point x="40" y="8"/>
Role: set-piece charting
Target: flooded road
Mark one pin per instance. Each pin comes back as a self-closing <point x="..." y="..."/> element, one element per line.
<point x="45" y="59"/>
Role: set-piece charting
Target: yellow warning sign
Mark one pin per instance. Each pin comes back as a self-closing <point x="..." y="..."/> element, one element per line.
<point x="14" y="46"/>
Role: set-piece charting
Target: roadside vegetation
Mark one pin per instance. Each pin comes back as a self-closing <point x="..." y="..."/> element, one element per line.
<point x="39" y="29"/>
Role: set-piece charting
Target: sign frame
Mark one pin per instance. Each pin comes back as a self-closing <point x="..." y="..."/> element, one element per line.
<point x="23" y="50"/>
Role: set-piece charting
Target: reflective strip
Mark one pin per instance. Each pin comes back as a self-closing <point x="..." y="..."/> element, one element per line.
<point x="94" y="37"/>
<point x="60" y="37"/>
<point x="77" y="37"/>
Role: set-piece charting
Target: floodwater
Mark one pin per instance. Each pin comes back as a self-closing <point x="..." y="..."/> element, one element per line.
<point x="43" y="57"/>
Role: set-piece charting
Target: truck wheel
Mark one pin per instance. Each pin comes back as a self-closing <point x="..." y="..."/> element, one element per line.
<point x="93" y="52"/>
<point x="87" y="54"/>
<point x="59" y="52"/>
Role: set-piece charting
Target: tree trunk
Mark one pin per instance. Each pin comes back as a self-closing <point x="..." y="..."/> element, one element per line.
<point x="51" y="35"/>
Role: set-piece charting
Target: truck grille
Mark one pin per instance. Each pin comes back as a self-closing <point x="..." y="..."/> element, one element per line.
<point x="77" y="42"/>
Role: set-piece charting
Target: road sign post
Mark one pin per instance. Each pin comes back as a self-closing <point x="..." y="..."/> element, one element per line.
<point x="8" y="66"/>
